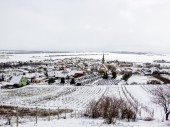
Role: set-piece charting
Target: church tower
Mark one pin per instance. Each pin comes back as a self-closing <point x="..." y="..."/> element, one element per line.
<point x="103" y="60"/>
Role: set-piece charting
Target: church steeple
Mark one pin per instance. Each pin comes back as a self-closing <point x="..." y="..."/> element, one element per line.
<point x="103" y="60"/>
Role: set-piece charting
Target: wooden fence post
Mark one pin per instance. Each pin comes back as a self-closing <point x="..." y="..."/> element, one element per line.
<point x="36" y="115"/>
<point x="75" y="113"/>
<point x="65" y="113"/>
<point x="58" y="113"/>
<point x="71" y="114"/>
<point x="49" y="115"/>
<point x="81" y="114"/>
<point x="17" y="117"/>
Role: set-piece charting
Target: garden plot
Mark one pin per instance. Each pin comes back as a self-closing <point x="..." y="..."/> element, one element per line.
<point x="38" y="95"/>
<point x="31" y="90"/>
<point x="112" y="91"/>
<point x="140" y="100"/>
<point x="79" y="98"/>
<point x="138" y="92"/>
<point x="141" y="93"/>
<point x="73" y="97"/>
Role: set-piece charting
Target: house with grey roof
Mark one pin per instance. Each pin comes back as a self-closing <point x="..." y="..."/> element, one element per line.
<point x="18" y="81"/>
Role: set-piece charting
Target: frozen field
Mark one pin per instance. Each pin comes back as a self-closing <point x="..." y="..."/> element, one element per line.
<point x="46" y="96"/>
<point x="77" y="98"/>
<point x="108" y="56"/>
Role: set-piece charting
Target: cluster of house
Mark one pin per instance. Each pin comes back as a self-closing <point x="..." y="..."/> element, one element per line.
<point x="39" y="74"/>
<point x="69" y="68"/>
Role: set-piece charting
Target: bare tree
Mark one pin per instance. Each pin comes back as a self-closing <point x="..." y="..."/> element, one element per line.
<point x="162" y="97"/>
<point x="110" y="108"/>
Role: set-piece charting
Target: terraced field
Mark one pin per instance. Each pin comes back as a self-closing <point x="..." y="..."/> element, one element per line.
<point x="78" y="97"/>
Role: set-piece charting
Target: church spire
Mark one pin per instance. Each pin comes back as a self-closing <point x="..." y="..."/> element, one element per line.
<point x="103" y="60"/>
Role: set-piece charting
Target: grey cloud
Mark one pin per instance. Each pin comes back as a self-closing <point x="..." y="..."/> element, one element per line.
<point x="85" y="25"/>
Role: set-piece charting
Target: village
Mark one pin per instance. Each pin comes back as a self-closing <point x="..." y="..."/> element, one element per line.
<point x="81" y="71"/>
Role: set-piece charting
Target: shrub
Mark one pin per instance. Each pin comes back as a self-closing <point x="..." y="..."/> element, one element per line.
<point x="51" y="80"/>
<point x="126" y="76"/>
<point x="105" y="76"/>
<point x="62" y="80"/>
<point x="110" y="109"/>
<point x="114" y="75"/>
<point x="72" y="81"/>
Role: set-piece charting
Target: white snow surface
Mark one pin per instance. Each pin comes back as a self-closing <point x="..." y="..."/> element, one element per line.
<point x="77" y="98"/>
<point x="85" y="122"/>
<point x="138" y="79"/>
<point x="108" y="56"/>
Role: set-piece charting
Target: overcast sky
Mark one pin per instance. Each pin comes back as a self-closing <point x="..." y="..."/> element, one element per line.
<point x="85" y="25"/>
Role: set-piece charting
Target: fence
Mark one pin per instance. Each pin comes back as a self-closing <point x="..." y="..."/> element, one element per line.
<point x="16" y="115"/>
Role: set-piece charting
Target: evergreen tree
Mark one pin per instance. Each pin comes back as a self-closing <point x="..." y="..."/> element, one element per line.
<point x="3" y="78"/>
<point x="105" y="76"/>
<point x="62" y="80"/>
<point x="72" y="81"/>
<point x="46" y="74"/>
<point x="126" y="76"/>
<point x="114" y="75"/>
<point x="51" y="80"/>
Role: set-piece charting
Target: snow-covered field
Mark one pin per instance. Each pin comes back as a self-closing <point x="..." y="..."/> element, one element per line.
<point x="78" y="97"/>
<point x="85" y="122"/>
<point x="45" y="96"/>
<point x="97" y="55"/>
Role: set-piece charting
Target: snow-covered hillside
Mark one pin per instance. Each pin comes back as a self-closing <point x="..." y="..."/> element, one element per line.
<point x="77" y="98"/>
<point x="55" y="96"/>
